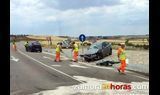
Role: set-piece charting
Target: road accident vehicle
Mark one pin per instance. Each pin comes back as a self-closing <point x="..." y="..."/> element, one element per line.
<point x="97" y="50"/>
<point x="33" y="46"/>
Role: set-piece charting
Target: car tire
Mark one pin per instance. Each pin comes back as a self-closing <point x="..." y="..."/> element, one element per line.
<point x="101" y="56"/>
<point x="86" y="59"/>
<point x="31" y="50"/>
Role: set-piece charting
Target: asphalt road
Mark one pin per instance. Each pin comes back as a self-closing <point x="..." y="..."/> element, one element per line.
<point x="34" y="72"/>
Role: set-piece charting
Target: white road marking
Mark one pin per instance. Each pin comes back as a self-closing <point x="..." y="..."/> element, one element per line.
<point x="65" y="58"/>
<point x="113" y="69"/>
<point x="48" y="58"/>
<point x="15" y="92"/>
<point x="104" y="67"/>
<point x="140" y="77"/>
<point x="56" y="65"/>
<point x="49" y="53"/>
<point x="78" y="66"/>
<point x="95" y="86"/>
<point x="49" y="66"/>
<point x="14" y="59"/>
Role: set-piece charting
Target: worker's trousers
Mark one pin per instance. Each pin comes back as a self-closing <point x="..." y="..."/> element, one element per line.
<point x="123" y="65"/>
<point x="14" y="47"/>
<point x="75" y="55"/>
<point x="57" y="56"/>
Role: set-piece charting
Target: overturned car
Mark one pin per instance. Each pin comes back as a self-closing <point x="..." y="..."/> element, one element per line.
<point x="97" y="50"/>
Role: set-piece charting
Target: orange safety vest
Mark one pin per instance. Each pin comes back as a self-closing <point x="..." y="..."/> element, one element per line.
<point x="122" y="54"/>
<point x="58" y="48"/>
<point x="76" y="47"/>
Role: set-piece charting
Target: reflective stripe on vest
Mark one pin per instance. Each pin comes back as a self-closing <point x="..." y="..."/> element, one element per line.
<point x="58" y="48"/>
<point x="122" y="55"/>
<point x="75" y="47"/>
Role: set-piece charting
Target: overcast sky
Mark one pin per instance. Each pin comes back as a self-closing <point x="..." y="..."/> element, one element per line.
<point x="73" y="17"/>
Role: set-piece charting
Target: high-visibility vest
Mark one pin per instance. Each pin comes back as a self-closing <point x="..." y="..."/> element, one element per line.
<point x="26" y="44"/>
<point x="122" y="55"/>
<point x="58" y="48"/>
<point x="75" y="47"/>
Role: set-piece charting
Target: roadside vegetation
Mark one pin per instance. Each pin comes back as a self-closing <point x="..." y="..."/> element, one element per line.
<point x="131" y="44"/>
<point x="134" y="44"/>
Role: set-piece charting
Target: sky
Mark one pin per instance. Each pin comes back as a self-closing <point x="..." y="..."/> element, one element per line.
<point x="75" y="17"/>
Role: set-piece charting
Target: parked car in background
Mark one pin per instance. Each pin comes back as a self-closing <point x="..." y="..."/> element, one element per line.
<point x="66" y="44"/>
<point x="34" y="46"/>
<point x="98" y="50"/>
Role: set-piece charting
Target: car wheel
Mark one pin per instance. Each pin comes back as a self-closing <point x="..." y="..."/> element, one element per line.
<point x="31" y="50"/>
<point x="100" y="55"/>
<point x="86" y="59"/>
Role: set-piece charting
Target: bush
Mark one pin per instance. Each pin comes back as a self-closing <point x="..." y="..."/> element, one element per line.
<point x="136" y="46"/>
<point x="146" y="46"/>
<point x="127" y="42"/>
<point x="86" y="44"/>
<point x="114" y="43"/>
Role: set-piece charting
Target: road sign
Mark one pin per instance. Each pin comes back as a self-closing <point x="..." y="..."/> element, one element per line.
<point x="82" y="37"/>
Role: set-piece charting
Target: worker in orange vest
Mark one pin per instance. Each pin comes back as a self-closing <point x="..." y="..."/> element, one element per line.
<point x="122" y="58"/>
<point x="75" y="52"/>
<point x="14" y="46"/>
<point x="58" y="50"/>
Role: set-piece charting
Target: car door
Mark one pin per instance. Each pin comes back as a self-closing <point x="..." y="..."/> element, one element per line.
<point x="105" y="49"/>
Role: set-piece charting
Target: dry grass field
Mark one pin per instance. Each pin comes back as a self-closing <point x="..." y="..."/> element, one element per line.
<point x="133" y="41"/>
<point x="55" y="40"/>
<point x="45" y="43"/>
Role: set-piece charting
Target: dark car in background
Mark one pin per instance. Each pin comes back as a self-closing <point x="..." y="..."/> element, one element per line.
<point x="33" y="46"/>
<point x="98" y="50"/>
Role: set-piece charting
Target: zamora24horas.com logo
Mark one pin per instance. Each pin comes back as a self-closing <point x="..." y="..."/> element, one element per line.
<point x="112" y="86"/>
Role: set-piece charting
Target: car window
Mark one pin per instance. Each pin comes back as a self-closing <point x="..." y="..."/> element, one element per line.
<point x="36" y="43"/>
<point x="105" y="44"/>
<point x="96" y="46"/>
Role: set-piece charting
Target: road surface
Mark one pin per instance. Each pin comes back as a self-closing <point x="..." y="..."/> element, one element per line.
<point x="33" y="73"/>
